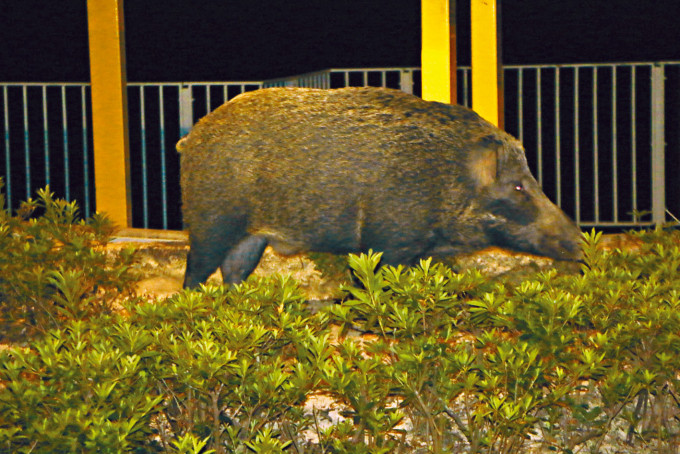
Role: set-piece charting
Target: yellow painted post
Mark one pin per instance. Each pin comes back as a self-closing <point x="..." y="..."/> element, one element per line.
<point x="487" y="73"/>
<point x="109" y="109"/>
<point x="438" y="65"/>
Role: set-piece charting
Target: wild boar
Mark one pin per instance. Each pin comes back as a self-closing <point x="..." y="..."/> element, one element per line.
<point x="353" y="169"/>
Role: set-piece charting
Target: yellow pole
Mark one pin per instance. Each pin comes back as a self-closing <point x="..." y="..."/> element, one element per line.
<point x="487" y="74"/>
<point x="109" y="109"/>
<point x="438" y="65"/>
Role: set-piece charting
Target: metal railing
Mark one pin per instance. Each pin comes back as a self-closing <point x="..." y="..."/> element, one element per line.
<point x="46" y="141"/>
<point x="405" y="79"/>
<point x="159" y="114"/>
<point x="596" y="135"/>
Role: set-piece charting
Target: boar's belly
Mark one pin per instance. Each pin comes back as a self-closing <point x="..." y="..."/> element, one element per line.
<point x="330" y="238"/>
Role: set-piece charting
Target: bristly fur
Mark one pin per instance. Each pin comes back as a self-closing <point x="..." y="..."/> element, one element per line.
<point x="343" y="171"/>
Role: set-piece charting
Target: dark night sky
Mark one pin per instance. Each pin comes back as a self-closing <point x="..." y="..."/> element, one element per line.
<point x="175" y="40"/>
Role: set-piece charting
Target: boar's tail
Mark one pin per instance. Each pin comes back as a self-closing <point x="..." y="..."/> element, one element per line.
<point x="180" y="145"/>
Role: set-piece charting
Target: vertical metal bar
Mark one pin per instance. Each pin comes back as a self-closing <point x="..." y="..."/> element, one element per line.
<point x="46" y="135"/>
<point x="633" y="141"/>
<point x="539" y="127"/>
<point x="145" y="185"/>
<point x="207" y="99"/>
<point x="64" y="130"/>
<point x="558" y="157"/>
<point x="186" y="114"/>
<point x="466" y="88"/>
<point x="225" y="92"/>
<point x="596" y="154"/>
<point x="346" y="78"/>
<point x="8" y="166"/>
<point x="383" y="79"/>
<point x="86" y="157"/>
<point x="406" y="81"/>
<point x="27" y="148"/>
<point x="577" y="160"/>
<point x="365" y="76"/>
<point x="164" y="176"/>
<point x="520" y="103"/>
<point x="615" y="169"/>
<point x="658" y="145"/>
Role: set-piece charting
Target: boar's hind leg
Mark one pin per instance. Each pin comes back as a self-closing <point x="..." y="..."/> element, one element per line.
<point x="203" y="259"/>
<point x="242" y="259"/>
<point x="237" y="262"/>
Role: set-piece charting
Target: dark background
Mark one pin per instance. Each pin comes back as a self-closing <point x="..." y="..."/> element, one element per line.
<point x="181" y="40"/>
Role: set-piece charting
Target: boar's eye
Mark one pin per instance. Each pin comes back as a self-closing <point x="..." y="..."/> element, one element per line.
<point x="519" y="187"/>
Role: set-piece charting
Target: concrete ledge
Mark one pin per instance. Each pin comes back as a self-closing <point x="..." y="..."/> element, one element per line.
<point x="150" y="235"/>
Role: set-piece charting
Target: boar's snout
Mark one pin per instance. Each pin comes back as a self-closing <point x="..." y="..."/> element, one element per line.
<point x="561" y="237"/>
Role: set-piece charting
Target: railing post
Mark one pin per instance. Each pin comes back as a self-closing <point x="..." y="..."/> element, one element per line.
<point x="486" y="60"/>
<point x="406" y="81"/>
<point x="186" y="110"/>
<point x="109" y="110"/>
<point x="438" y="50"/>
<point x="658" y="145"/>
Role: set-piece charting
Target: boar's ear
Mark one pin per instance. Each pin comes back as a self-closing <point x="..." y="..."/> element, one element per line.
<point x="484" y="160"/>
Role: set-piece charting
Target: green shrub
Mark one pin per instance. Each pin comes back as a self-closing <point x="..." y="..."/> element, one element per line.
<point x="216" y="368"/>
<point x="55" y="266"/>
<point x="569" y="361"/>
